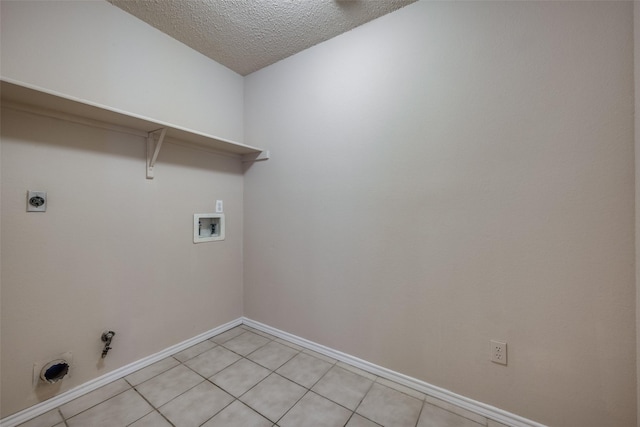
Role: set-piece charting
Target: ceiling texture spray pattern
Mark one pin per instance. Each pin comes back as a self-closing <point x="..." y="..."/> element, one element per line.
<point x="247" y="35"/>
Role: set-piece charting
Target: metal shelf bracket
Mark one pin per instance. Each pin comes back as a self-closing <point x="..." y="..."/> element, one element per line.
<point x="154" y="143"/>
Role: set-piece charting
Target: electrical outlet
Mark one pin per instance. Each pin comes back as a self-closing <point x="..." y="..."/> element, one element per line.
<point x="36" y="201"/>
<point x="499" y="352"/>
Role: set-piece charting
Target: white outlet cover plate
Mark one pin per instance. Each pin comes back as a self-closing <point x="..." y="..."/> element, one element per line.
<point x="499" y="352"/>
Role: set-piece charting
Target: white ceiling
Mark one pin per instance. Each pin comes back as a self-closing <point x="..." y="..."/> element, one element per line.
<point x="247" y="35"/>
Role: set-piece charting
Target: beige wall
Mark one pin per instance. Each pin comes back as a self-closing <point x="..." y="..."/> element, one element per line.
<point x="442" y="176"/>
<point x="453" y="173"/>
<point x="114" y="250"/>
<point x="94" y="51"/>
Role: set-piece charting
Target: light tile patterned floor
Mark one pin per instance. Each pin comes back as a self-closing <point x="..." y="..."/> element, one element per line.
<point x="246" y="378"/>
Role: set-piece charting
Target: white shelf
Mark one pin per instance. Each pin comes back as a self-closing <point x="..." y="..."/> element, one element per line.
<point x="40" y="101"/>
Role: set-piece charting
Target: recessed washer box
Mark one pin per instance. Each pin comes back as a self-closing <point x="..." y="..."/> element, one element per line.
<point x="208" y="227"/>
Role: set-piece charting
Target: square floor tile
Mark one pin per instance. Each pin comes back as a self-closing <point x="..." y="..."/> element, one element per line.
<point x="320" y="356"/>
<point x="390" y="407"/>
<point x="238" y="415"/>
<point x="47" y="419"/>
<point x="457" y="410"/>
<point x="196" y="406"/>
<point x="289" y="344"/>
<point x="357" y="371"/>
<point x="259" y="332"/>
<point x="164" y="387"/>
<point x="246" y="343"/>
<point x="360" y="421"/>
<point x="401" y="388"/>
<point x="186" y="398"/>
<point x="93" y="398"/>
<point x="194" y="350"/>
<point x="273" y="397"/>
<point x="432" y="416"/>
<point x="151" y="371"/>
<point x="212" y="361"/>
<point x="304" y="369"/>
<point x="343" y="387"/>
<point x="316" y="411"/>
<point x="227" y="335"/>
<point x="240" y="377"/>
<point x="272" y="355"/>
<point x="120" y="410"/>
<point x="153" y="419"/>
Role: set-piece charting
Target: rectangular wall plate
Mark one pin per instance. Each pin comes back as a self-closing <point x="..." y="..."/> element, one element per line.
<point x="208" y="227"/>
<point x="499" y="352"/>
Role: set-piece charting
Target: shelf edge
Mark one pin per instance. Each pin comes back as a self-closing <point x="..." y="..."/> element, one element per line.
<point x="188" y="135"/>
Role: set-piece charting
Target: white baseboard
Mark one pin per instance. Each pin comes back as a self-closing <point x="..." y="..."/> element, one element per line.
<point x="487" y="411"/>
<point x="67" y="396"/>
<point x="484" y="410"/>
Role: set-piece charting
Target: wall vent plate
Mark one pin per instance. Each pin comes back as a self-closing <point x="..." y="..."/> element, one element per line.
<point x="36" y="201"/>
<point x="208" y="227"/>
<point x="37" y="366"/>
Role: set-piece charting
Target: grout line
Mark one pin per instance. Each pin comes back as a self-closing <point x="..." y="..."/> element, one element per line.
<point x="401" y="388"/>
<point x="241" y="355"/>
<point x="321" y="377"/>
<point x="320" y="356"/>
<point x="252" y="387"/>
<point x="81" y="390"/>
<point x="368" y="419"/>
<point x="333" y="362"/>
<point x="152" y="377"/>
<point x="349" y="419"/>
<point x="271" y="371"/>
<point x="244" y="404"/>
<point x="138" y="419"/>
<point x="486" y="420"/>
<point x="222" y="409"/>
<point x="483" y="410"/>
<point x="357" y="371"/>
<point x="279" y="366"/>
<point x="154" y="409"/>
<point x="424" y="402"/>
<point x="292" y="406"/>
<point x="64" y="420"/>
<point x="289" y="344"/>
<point x="92" y="406"/>
<point x="363" y="397"/>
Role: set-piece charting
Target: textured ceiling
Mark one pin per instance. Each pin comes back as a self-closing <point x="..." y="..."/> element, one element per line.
<point x="247" y="35"/>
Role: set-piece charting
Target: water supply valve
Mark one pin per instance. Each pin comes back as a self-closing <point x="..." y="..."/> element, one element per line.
<point x="106" y="339"/>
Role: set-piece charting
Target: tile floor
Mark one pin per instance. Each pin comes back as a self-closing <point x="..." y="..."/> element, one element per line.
<point x="244" y="378"/>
